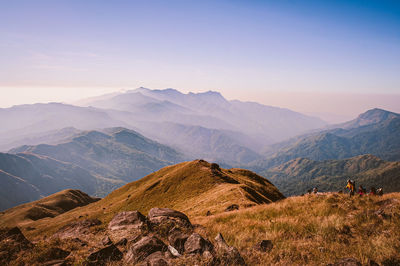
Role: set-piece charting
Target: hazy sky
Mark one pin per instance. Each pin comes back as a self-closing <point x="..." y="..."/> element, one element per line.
<point x="251" y="50"/>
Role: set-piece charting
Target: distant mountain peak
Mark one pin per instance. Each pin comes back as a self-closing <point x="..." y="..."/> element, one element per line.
<point x="373" y="116"/>
<point x="377" y="113"/>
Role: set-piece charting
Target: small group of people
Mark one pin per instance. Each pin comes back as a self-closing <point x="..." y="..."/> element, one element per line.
<point x="351" y="185"/>
<point x="314" y="190"/>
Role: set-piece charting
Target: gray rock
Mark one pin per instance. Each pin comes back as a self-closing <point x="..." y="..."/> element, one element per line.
<point x="165" y="212"/>
<point x="80" y="229"/>
<point x="264" y="245"/>
<point x="177" y="239"/>
<point x="228" y="255"/>
<point x="221" y="243"/>
<point x="140" y="250"/>
<point x="157" y="259"/>
<point x="127" y="220"/>
<point x="232" y="207"/>
<point x="196" y="244"/>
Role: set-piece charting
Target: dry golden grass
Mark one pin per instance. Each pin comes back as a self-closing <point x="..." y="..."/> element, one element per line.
<point x="314" y="229"/>
<point x="191" y="187"/>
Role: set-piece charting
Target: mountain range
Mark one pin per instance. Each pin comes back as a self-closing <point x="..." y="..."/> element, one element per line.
<point x="373" y="132"/>
<point x="92" y="161"/>
<point x="118" y="138"/>
<point x="229" y="132"/>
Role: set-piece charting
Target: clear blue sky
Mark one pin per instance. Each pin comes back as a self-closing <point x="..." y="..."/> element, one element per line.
<point x="237" y="47"/>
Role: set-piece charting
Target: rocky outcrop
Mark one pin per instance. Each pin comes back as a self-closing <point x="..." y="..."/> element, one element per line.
<point x="227" y="255"/>
<point x="80" y="229"/>
<point x="164" y="237"/>
<point x="196" y="244"/>
<point x="177" y="240"/>
<point x="144" y="248"/>
<point x="162" y="216"/>
<point x="127" y="220"/>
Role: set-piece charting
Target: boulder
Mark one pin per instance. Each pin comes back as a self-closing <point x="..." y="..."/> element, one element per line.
<point x="264" y="246"/>
<point x="75" y="229"/>
<point x="232" y="207"/>
<point x="157" y="259"/>
<point x="109" y="253"/>
<point x="196" y="244"/>
<point x="177" y="239"/>
<point x="156" y="213"/>
<point x="140" y="250"/>
<point x="164" y="220"/>
<point x="228" y="255"/>
<point x="127" y="220"/>
<point x="221" y="243"/>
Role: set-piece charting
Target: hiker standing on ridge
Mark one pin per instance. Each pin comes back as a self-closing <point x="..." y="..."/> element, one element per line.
<point x="351" y="185"/>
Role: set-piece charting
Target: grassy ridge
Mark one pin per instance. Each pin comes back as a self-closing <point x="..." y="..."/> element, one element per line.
<point x="314" y="229"/>
<point x="191" y="187"/>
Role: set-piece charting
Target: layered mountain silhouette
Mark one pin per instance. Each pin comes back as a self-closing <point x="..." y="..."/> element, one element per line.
<point x="115" y="153"/>
<point x="92" y="161"/>
<point x="27" y="177"/>
<point x="299" y="175"/>
<point x="36" y="123"/>
<point x="216" y="126"/>
<point x="205" y="115"/>
<point x="373" y="132"/>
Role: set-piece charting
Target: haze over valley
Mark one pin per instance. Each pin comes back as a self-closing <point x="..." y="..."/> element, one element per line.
<point x="160" y="133"/>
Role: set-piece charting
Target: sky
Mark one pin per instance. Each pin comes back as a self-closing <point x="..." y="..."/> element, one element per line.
<point x="299" y="54"/>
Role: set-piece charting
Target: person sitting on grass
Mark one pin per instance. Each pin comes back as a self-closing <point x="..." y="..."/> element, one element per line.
<point x="372" y="191"/>
<point x="361" y="190"/>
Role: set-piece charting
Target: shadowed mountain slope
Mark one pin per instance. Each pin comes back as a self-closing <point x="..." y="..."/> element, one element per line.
<point x="116" y="153"/>
<point x="49" y="206"/>
<point x="297" y="176"/>
<point x="26" y="177"/>
<point x="374" y="132"/>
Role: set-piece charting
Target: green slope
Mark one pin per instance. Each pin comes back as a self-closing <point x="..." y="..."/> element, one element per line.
<point x="297" y="176"/>
<point x="374" y="132"/>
